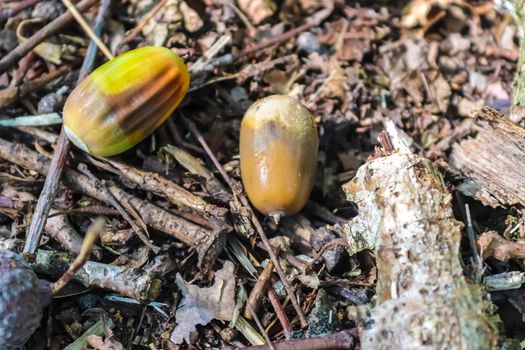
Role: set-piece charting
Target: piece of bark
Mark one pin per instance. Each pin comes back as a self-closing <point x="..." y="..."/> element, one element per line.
<point x="492" y="161"/>
<point x="134" y="283"/>
<point x="423" y="299"/>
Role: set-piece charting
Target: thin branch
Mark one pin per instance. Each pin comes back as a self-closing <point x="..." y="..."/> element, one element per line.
<point x="82" y="22"/>
<point x="336" y="341"/>
<point x="58" y="162"/>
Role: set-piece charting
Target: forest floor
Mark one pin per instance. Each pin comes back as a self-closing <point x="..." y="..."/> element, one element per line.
<point x="425" y="65"/>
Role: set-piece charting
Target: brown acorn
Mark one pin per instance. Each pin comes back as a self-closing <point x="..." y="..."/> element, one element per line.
<point x="125" y="100"/>
<point x="278" y="155"/>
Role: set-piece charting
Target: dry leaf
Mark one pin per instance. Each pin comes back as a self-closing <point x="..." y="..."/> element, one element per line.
<point x="97" y="343"/>
<point x="492" y="244"/>
<point x="257" y="10"/>
<point x="441" y="92"/>
<point x="201" y="305"/>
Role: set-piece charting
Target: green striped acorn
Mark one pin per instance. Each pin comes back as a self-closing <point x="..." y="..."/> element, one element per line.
<point x="123" y="101"/>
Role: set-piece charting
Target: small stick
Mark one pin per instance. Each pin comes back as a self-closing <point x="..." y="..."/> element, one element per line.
<point x="82" y="22"/>
<point x="47" y="31"/>
<point x="281" y="315"/>
<point x="259" y="324"/>
<point x="258" y="290"/>
<point x="57" y="163"/>
<point x="337" y="341"/>
<point x="47" y="195"/>
<point x="142" y="23"/>
<point x="238" y="191"/>
<point x="93" y="232"/>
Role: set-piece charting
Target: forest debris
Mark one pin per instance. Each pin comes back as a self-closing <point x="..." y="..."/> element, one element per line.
<point x="323" y="320"/>
<point x="196" y="166"/>
<point x="160" y="185"/>
<point x="337" y="341"/>
<point x="201" y="305"/>
<point x="96" y="330"/>
<point x="423" y="298"/>
<point x="492" y="161"/>
<point x="491" y="244"/>
<point x="134" y="283"/>
<point x="505" y="281"/>
<point x="257" y="10"/>
<point x="192" y="20"/>
<point x="208" y="243"/>
<point x="50" y="29"/>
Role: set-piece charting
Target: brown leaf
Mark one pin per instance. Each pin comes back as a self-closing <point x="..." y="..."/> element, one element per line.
<point x="201" y="305"/>
<point x="492" y="244"/>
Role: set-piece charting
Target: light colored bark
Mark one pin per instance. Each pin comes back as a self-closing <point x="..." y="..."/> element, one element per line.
<point x="423" y="299"/>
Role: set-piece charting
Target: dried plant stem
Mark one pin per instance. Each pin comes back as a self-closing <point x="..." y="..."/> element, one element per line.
<point x="82" y="22"/>
<point x="160" y="185"/>
<point x="115" y="203"/>
<point x="236" y="188"/>
<point x="59" y="228"/>
<point x="93" y="232"/>
<point x="49" y="30"/>
<point x="336" y="341"/>
<point x="281" y="315"/>
<point x="258" y="290"/>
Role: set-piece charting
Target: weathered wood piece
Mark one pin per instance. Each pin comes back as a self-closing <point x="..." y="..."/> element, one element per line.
<point x="423" y="299"/>
<point x="492" y="161"/>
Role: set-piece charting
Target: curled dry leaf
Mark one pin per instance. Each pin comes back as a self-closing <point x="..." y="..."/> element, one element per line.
<point x="47" y="50"/>
<point x="201" y="305"/>
<point x="492" y="244"/>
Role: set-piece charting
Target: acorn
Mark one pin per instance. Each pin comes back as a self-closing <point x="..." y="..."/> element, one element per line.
<point x="123" y="101"/>
<point x="278" y="155"/>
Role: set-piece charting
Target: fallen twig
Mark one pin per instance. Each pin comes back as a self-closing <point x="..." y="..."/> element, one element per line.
<point x="336" y="341"/>
<point x="58" y="162"/>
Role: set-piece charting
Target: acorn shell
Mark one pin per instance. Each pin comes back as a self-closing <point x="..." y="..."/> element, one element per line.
<point x="278" y="154"/>
<point x="125" y="100"/>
